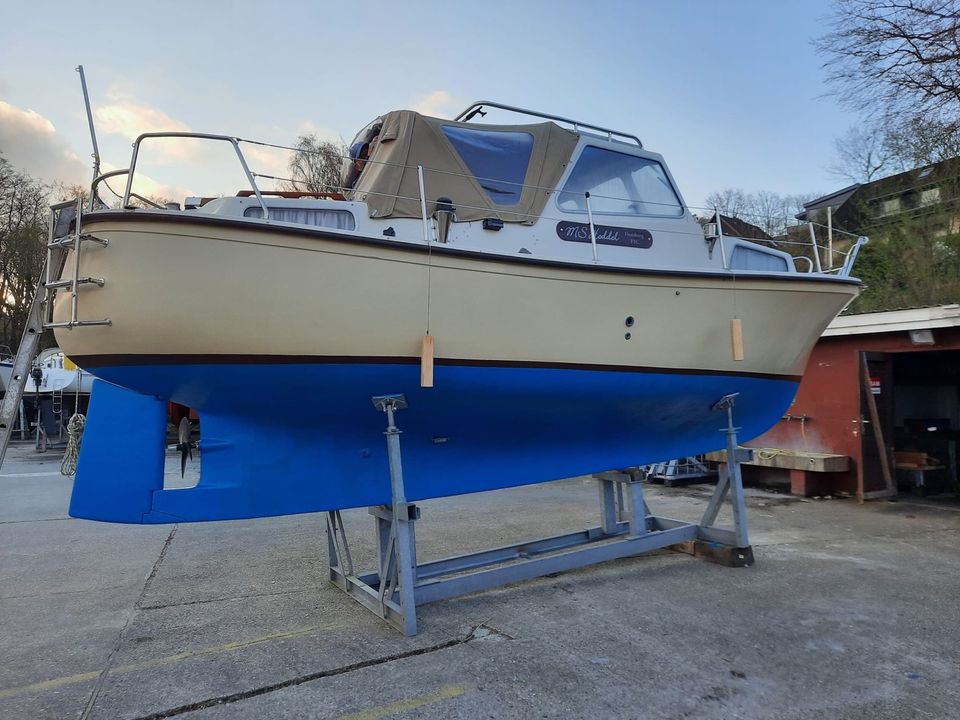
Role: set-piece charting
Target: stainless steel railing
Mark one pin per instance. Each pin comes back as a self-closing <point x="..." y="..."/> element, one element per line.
<point x="814" y="264"/>
<point x="129" y="172"/>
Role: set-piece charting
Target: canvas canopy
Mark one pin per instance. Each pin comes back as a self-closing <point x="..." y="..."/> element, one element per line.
<point x="487" y="171"/>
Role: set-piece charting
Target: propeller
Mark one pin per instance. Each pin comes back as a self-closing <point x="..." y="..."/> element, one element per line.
<point x="183" y="444"/>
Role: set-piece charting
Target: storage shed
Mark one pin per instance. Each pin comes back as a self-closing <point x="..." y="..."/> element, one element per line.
<point x="882" y="391"/>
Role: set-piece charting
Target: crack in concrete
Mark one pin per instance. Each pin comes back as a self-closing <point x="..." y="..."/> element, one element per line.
<point x="62" y="592"/>
<point x="34" y="520"/>
<point x="101" y="678"/>
<point x="300" y="680"/>
<point x="228" y="598"/>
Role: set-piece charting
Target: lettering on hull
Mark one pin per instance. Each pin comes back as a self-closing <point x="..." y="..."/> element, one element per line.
<point x="606" y="234"/>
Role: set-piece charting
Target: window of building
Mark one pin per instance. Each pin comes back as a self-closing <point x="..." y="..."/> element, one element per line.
<point x="619" y="184"/>
<point x="498" y="159"/>
<point x="890" y="206"/>
<point x="930" y="196"/>
<point x="318" y="217"/>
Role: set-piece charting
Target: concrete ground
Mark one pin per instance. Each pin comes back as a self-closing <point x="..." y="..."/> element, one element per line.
<point x="850" y="612"/>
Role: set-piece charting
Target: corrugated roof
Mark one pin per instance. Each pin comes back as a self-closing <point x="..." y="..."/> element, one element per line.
<point x="926" y="318"/>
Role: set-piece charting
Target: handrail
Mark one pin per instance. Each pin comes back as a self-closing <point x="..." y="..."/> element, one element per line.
<point x="851" y="258"/>
<point x="102" y="178"/>
<point x="197" y="136"/>
<point x="478" y="105"/>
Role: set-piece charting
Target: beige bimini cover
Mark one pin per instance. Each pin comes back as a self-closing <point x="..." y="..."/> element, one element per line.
<point x="389" y="183"/>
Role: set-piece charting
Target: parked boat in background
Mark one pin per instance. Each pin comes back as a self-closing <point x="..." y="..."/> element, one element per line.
<point x="57" y="373"/>
<point x="6" y="367"/>
<point x="581" y="318"/>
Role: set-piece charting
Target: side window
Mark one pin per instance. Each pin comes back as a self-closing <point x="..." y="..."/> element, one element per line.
<point x="619" y="184"/>
<point x="339" y="219"/>
<point x="747" y="258"/>
<point x="498" y="159"/>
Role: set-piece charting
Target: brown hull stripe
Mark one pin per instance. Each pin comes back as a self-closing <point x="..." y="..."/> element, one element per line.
<point x="95" y="361"/>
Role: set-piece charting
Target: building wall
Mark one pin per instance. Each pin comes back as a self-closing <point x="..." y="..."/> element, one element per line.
<point x="824" y="416"/>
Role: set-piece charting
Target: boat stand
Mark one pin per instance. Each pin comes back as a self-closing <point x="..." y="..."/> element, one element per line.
<point x="627" y="527"/>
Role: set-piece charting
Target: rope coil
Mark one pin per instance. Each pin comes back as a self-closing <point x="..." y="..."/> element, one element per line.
<point x="68" y="465"/>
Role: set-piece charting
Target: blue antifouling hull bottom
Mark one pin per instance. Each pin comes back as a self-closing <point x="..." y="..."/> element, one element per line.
<point x="293" y="438"/>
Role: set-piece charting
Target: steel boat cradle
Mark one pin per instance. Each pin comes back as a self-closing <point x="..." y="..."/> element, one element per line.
<point x="537" y="296"/>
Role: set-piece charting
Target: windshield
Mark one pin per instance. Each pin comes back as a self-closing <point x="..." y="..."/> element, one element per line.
<point x="619" y="184"/>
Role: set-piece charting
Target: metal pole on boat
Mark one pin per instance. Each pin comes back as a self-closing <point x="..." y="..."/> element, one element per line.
<point x="423" y="206"/>
<point x="133" y="166"/>
<point x="93" y="131"/>
<point x="253" y="183"/>
<point x="816" y="248"/>
<point x="723" y="249"/>
<point x="593" y="231"/>
<point x="75" y="280"/>
<point x="829" y="238"/>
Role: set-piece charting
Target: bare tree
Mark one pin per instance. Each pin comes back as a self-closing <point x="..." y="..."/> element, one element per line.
<point x="901" y="57"/>
<point x="771" y="212"/>
<point x="921" y="141"/>
<point x="23" y="217"/>
<point x="731" y="201"/>
<point x="878" y="149"/>
<point x="315" y="164"/>
<point x="862" y="154"/>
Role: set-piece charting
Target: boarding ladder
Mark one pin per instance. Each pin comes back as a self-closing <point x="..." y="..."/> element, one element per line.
<point x="65" y="233"/>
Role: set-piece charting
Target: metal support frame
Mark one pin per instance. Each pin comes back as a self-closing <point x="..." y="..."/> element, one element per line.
<point x="477" y="106"/>
<point x="627" y="528"/>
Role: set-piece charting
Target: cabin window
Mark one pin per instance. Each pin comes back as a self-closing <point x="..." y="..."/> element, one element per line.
<point x="619" y="184"/>
<point x="748" y="258"/>
<point x="498" y="159"/>
<point x="318" y="217"/>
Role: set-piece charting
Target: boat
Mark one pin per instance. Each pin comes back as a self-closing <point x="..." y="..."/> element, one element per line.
<point x="6" y="367"/>
<point x="539" y="293"/>
<point x="57" y="374"/>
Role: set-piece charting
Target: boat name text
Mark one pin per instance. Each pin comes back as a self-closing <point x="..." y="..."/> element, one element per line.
<point x="606" y="234"/>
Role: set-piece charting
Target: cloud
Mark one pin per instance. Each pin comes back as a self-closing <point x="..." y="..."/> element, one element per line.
<point x="30" y="142"/>
<point x="124" y="116"/>
<point x="128" y="118"/>
<point x="439" y="103"/>
<point x="324" y="133"/>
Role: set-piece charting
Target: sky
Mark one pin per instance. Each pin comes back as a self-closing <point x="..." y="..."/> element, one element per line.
<point x="732" y="94"/>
